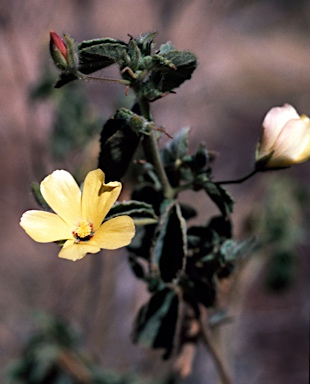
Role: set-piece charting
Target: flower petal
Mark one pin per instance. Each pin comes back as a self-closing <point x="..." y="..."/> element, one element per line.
<point x="57" y="43"/>
<point x="305" y="154"/>
<point x="115" y="233"/>
<point x="98" y="198"/>
<point x="63" y="195"/>
<point x="273" y="123"/>
<point x="292" y="145"/>
<point x="45" y="227"/>
<point x="76" y="251"/>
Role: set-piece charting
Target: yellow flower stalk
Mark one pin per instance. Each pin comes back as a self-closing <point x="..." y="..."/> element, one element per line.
<point x="78" y="217"/>
<point x="285" y="139"/>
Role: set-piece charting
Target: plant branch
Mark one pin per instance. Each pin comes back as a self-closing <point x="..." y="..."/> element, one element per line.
<point x="238" y="180"/>
<point x="151" y="152"/>
<point x="104" y="79"/>
<point x="222" y="369"/>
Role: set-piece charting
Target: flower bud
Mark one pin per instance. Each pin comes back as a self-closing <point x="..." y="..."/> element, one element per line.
<point x="58" y="51"/>
<point x="64" y="53"/>
<point x="285" y="139"/>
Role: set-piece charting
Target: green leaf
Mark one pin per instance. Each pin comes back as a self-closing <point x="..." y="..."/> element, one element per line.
<point x="221" y="225"/>
<point x="203" y="239"/>
<point x="155" y="324"/>
<point x="170" y="248"/>
<point x="204" y="292"/>
<point x="100" y="53"/>
<point x="150" y="92"/>
<point x="150" y="195"/>
<point x="35" y="187"/>
<point x="200" y="238"/>
<point x="167" y="47"/>
<point x="138" y="123"/>
<point x="220" y="197"/>
<point x="173" y="155"/>
<point x="118" y="144"/>
<point x="165" y="78"/>
<point x="188" y="212"/>
<point x="139" y="211"/>
<point x="145" y="42"/>
<point x="199" y="290"/>
<point x="65" y="78"/>
<point x="142" y="242"/>
<point x="120" y="138"/>
<point x="201" y="157"/>
<point x="137" y="267"/>
<point x="132" y="59"/>
<point x="44" y="359"/>
<point x="281" y="270"/>
<point x="176" y="148"/>
<point x="219" y="317"/>
<point x="232" y="250"/>
<point x="16" y="370"/>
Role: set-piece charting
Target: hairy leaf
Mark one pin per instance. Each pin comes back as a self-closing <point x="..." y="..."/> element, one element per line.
<point x="220" y="197"/>
<point x="35" y="187"/>
<point x="221" y="225"/>
<point x="143" y="240"/>
<point x="232" y="250"/>
<point x="176" y="148"/>
<point x="137" y="210"/>
<point x="164" y="48"/>
<point x="165" y="78"/>
<point x="173" y="155"/>
<point x="155" y="324"/>
<point x="137" y="267"/>
<point x="170" y="248"/>
<point x="100" y="53"/>
<point x="65" y="78"/>
<point x="119" y="142"/>
<point x="145" y="42"/>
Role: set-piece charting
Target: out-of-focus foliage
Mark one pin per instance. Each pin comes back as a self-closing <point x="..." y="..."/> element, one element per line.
<point x="74" y="122"/>
<point x="279" y="224"/>
<point x="53" y="355"/>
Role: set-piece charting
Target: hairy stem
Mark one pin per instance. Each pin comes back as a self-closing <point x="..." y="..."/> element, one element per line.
<point x="104" y="79"/>
<point x="222" y="369"/>
<point x="151" y="152"/>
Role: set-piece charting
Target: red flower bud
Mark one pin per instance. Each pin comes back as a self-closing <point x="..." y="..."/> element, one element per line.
<point x="63" y="52"/>
<point x="57" y="43"/>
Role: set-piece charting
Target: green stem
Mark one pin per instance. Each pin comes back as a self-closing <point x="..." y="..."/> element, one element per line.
<point x="238" y="180"/>
<point x="152" y="154"/>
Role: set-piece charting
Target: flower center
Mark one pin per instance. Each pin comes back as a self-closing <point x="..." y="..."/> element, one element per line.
<point x="83" y="231"/>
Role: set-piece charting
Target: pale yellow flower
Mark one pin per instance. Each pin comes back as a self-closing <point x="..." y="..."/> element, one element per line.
<point x="78" y="217"/>
<point x="285" y="139"/>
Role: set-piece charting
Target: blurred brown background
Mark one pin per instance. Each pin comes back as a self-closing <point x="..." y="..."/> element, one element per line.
<point x="253" y="55"/>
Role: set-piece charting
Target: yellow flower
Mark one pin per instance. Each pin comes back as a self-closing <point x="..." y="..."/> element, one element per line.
<point x="285" y="139"/>
<point x="78" y="216"/>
